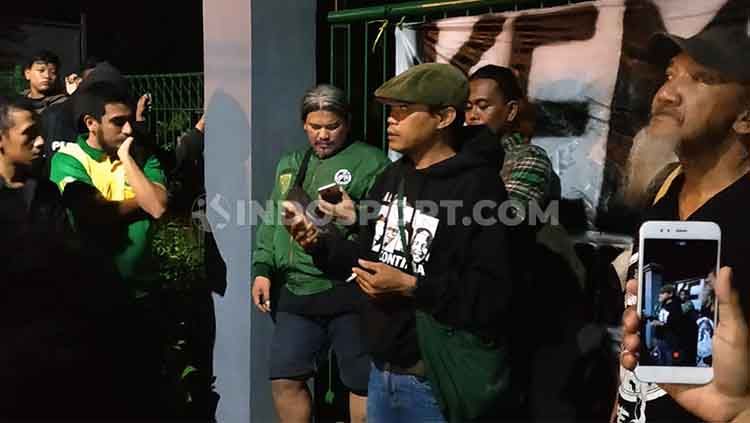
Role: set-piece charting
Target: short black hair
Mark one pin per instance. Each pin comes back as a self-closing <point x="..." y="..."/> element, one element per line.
<point x="505" y="78"/>
<point x="93" y="99"/>
<point x="42" y="56"/>
<point x="90" y="63"/>
<point x="8" y="105"/>
<point x="458" y="121"/>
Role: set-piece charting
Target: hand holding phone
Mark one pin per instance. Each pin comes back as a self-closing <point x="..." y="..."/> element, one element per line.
<point x="299" y="225"/>
<point x="678" y="264"/>
<point x="331" y="193"/>
<point x="333" y="201"/>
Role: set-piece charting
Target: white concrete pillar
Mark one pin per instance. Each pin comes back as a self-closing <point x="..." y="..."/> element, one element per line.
<point x="259" y="59"/>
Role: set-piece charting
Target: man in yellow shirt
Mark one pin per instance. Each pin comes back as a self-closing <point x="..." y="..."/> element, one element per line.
<point x="113" y="191"/>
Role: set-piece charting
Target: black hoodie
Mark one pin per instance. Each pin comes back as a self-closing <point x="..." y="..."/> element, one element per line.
<point x="461" y="265"/>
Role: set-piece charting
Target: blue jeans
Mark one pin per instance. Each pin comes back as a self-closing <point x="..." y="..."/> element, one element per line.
<point x="398" y="398"/>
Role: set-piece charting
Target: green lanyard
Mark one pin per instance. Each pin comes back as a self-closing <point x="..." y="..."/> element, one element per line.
<point x="400" y="204"/>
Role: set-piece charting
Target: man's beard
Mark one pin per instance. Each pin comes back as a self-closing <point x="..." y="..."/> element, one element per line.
<point x="648" y="156"/>
<point x="110" y="148"/>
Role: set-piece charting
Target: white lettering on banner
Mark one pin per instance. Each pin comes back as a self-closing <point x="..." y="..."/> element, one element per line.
<point x="573" y="57"/>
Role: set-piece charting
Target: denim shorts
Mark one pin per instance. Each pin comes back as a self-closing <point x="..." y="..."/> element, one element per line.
<point x="299" y="340"/>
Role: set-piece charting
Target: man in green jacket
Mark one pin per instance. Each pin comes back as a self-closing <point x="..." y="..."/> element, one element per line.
<point x="313" y="311"/>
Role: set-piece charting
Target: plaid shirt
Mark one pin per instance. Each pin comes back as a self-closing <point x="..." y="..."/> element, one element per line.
<point x="527" y="171"/>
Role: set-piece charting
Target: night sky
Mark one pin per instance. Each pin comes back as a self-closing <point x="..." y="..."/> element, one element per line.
<point x="137" y="36"/>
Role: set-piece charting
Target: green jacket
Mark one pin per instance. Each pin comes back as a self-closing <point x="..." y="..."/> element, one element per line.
<point x="276" y="255"/>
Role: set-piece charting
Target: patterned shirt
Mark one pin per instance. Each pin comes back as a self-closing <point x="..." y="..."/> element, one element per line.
<point x="527" y="171"/>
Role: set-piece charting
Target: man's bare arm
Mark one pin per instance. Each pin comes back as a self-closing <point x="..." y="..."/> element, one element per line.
<point x="151" y="197"/>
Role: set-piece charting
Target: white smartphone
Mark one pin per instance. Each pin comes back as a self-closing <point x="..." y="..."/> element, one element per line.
<point x="677" y="267"/>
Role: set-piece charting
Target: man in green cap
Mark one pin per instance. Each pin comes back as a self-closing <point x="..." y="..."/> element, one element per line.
<point x="447" y="270"/>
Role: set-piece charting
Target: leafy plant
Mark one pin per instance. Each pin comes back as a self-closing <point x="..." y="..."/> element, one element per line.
<point x="188" y="391"/>
<point x="179" y="253"/>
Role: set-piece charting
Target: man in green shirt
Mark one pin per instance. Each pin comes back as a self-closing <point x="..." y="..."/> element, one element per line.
<point x="313" y="311"/>
<point x="113" y="189"/>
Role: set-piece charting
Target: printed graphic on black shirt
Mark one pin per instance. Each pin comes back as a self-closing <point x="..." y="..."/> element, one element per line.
<point x="419" y="231"/>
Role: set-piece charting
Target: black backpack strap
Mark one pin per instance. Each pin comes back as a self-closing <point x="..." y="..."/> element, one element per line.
<point x="303" y="168"/>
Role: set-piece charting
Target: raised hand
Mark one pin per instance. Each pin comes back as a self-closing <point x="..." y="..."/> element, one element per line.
<point x="727" y="396"/>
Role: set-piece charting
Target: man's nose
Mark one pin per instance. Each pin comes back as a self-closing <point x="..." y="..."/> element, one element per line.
<point x="38" y="142"/>
<point x="668" y="95"/>
<point x="472" y="115"/>
<point x="127" y="129"/>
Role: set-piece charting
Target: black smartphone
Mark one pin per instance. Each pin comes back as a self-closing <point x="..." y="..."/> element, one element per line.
<point x="331" y="193"/>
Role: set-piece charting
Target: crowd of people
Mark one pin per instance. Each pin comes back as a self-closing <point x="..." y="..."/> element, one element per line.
<point x="439" y="298"/>
<point x="81" y="188"/>
<point x="439" y="302"/>
<point x="672" y="330"/>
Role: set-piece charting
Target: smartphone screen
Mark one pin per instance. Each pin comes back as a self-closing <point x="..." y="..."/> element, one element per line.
<point x="678" y="304"/>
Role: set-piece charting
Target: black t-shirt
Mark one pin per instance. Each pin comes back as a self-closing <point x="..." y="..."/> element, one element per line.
<point x="32" y="222"/>
<point x="65" y="331"/>
<point x="729" y="209"/>
<point x="187" y="181"/>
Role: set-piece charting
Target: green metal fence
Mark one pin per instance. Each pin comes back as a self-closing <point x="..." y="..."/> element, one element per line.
<point x="177" y="103"/>
<point x="11" y="81"/>
<point x="177" y="100"/>
<point x="7" y="83"/>
<point x="362" y="40"/>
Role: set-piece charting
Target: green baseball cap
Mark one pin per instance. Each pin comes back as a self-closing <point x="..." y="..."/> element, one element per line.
<point x="433" y="84"/>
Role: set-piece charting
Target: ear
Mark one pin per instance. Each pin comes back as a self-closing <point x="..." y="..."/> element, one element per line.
<point x="514" y="108"/>
<point x="3" y="142"/>
<point x="91" y="123"/>
<point x="447" y="117"/>
<point x="27" y="74"/>
<point x="742" y="124"/>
